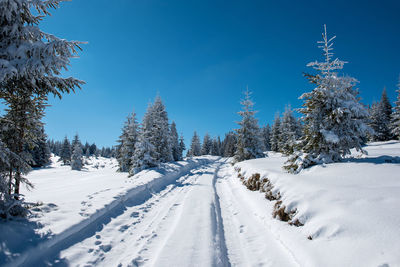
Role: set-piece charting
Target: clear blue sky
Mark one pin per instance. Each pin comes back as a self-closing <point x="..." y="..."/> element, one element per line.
<point x="200" y="55"/>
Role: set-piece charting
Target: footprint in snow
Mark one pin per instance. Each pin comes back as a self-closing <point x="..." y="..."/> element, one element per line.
<point x="105" y="248"/>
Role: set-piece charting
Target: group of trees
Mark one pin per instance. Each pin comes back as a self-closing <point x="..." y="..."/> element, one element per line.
<point x="210" y="146"/>
<point x="333" y="120"/>
<point x="384" y="119"/>
<point x="31" y="63"/>
<point x="150" y="143"/>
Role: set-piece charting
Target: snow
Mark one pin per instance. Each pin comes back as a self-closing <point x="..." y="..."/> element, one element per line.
<point x="197" y="212"/>
<point x="350" y="209"/>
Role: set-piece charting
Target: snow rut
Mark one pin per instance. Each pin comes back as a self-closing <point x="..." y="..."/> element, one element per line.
<point x="48" y="252"/>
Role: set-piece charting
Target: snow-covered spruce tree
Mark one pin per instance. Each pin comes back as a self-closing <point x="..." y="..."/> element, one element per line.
<point x="249" y="143"/>
<point x="176" y="154"/>
<point x="76" y="158"/>
<point x="333" y="117"/>
<point x="145" y="153"/>
<point x="66" y="153"/>
<point x="275" y="137"/>
<point x="195" y="146"/>
<point x="289" y="132"/>
<point x="266" y="136"/>
<point x="396" y="115"/>
<point x="380" y="119"/>
<point x="207" y="145"/>
<point x="31" y="62"/>
<point x="229" y="145"/>
<point x="182" y="147"/>
<point x="127" y="142"/>
<point x="41" y="151"/>
<point x="159" y="134"/>
<point x="216" y="147"/>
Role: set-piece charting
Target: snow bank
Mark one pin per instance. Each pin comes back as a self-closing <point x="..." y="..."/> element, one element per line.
<point x="74" y="204"/>
<point x="350" y="210"/>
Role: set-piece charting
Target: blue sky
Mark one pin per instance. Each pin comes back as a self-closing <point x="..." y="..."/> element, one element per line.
<point x="199" y="56"/>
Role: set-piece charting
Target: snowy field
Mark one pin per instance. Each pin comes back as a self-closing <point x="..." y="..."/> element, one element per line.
<point x="197" y="212"/>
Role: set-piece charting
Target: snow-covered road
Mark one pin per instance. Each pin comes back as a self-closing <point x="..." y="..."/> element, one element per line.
<point x="204" y="218"/>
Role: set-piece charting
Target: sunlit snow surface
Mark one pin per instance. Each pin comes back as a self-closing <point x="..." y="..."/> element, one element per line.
<point x="197" y="213"/>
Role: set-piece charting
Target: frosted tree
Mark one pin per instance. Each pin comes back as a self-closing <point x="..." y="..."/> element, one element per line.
<point x="176" y="153"/>
<point x="127" y="142"/>
<point x="207" y="145"/>
<point x="216" y="147"/>
<point x="396" y="115"/>
<point x="333" y="117"/>
<point x="275" y="137"/>
<point x="288" y="132"/>
<point x="76" y="158"/>
<point x="266" y="136"/>
<point x="145" y="154"/>
<point x="229" y="144"/>
<point x="66" y="153"/>
<point x="249" y="143"/>
<point x="195" y="146"/>
<point x="157" y="130"/>
<point x="31" y="62"/>
<point x="380" y="119"/>
<point x="41" y="151"/>
<point x="182" y="147"/>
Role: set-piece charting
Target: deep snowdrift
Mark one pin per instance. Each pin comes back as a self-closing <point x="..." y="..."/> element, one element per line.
<point x="350" y="210"/>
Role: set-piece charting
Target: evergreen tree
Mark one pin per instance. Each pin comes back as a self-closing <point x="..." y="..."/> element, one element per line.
<point x="127" y="142"/>
<point x="216" y="147"/>
<point x="145" y="153"/>
<point x="249" y="143"/>
<point x="176" y="153"/>
<point x="207" y="145"/>
<point x="289" y="132"/>
<point x="229" y="144"/>
<point x="76" y="141"/>
<point x="266" y="137"/>
<point x="41" y="151"/>
<point x="396" y="115"/>
<point x="275" y="139"/>
<point x="182" y="147"/>
<point x="160" y="130"/>
<point x="380" y="119"/>
<point x="65" y="154"/>
<point x="77" y="161"/>
<point x="333" y="117"/>
<point x="195" y="146"/>
<point x="32" y="61"/>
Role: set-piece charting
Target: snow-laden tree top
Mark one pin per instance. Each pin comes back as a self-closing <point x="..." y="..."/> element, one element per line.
<point x="30" y="57"/>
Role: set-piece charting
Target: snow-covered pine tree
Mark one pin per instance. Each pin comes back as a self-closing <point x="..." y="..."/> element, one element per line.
<point x="76" y="158"/>
<point x="195" y="146"/>
<point x="229" y="144"/>
<point x="266" y="136"/>
<point x="289" y="132"/>
<point x="275" y="137"/>
<point x="249" y="143"/>
<point x="182" y="147"/>
<point x="41" y="151"/>
<point x="380" y="119"/>
<point x="159" y="131"/>
<point x="333" y="117"/>
<point x="66" y="153"/>
<point x="145" y="153"/>
<point x="207" y="145"/>
<point x="76" y="141"/>
<point x="396" y="115"/>
<point x="127" y="142"/>
<point x="31" y="64"/>
<point x="216" y="147"/>
<point x="176" y="153"/>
